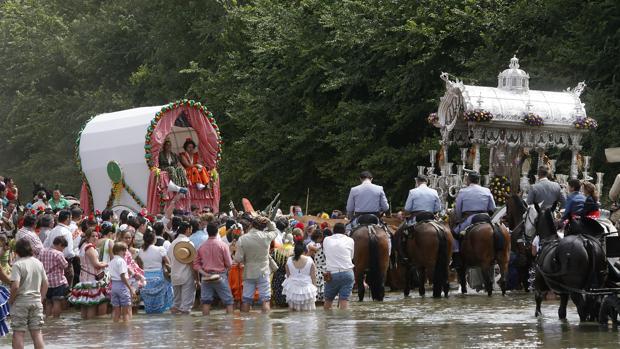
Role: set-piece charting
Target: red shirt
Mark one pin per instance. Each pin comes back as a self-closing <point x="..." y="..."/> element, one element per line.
<point x="213" y="256"/>
<point x="54" y="263"/>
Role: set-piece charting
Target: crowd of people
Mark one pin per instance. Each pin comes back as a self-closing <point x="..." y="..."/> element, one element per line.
<point x="54" y="258"/>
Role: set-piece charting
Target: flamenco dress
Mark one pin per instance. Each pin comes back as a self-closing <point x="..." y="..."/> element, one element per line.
<point x="194" y="175"/>
<point x="89" y="291"/>
<point x="4" y="311"/>
<point x="298" y="288"/>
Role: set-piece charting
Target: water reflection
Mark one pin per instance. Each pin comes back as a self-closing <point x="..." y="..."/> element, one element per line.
<point x="473" y="321"/>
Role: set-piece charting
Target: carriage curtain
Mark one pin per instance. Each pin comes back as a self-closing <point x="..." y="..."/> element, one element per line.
<point x="207" y="151"/>
<point x="207" y="135"/>
<point x="85" y="199"/>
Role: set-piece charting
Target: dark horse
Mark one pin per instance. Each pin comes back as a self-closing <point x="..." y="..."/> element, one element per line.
<point x="371" y="259"/>
<point x="425" y="248"/>
<point x="568" y="267"/>
<point x="521" y="242"/>
<point x="483" y="245"/>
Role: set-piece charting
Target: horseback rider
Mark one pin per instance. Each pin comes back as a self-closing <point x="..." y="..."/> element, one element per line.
<point x="422" y="202"/>
<point x="545" y="191"/>
<point x="366" y="200"/>
<point x="366" y="203"/>
<point x="471" y="201"/>
<point x="574" y="206"/>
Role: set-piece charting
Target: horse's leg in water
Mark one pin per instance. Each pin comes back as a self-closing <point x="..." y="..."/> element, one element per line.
<point x="487" y="273"/>
<point x="563" y="305"/>
<point x="422" y="279"/>
<point x="579" y="304"/>
<point x="540" y="289"/>
<point x="461" y="270"/>
<point x="446" y="288"/>
<point x="359" y="279"/>
<point x="538" y="295"/>
<point x="406" y="271"/>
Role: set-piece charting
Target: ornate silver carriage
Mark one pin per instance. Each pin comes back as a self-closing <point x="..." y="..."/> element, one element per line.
<point x="513" y="123"/>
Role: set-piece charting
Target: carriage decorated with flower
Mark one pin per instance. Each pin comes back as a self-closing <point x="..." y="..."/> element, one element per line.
<point x="514" y="126"/>
<point x="117" y="155"/>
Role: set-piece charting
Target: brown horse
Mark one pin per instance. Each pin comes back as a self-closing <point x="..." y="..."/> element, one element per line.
<point x="371" y="259"/>
<point x="482" y="246"/>
<point x="521" y="243"/>
<point x="427" y="247"/>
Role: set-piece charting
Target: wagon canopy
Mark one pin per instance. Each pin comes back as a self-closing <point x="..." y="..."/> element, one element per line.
<point x="132" y="140"/>
<point x="511" y="115"/>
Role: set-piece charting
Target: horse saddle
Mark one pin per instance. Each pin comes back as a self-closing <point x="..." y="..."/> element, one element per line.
<point x="409" y="231"/>
<point x="368" y="219"/>
<point x="481" y="218"/>
<point x="476" y="220"/>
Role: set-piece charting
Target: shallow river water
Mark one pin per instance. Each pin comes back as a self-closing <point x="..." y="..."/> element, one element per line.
<point x="473" y="321"/>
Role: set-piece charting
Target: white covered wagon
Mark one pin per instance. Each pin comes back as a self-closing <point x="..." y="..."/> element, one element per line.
<point x="117" y="155"/>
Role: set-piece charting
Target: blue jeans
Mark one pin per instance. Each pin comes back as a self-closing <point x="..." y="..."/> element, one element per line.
<point x="221" y="288"/>
<point x="341" y="285"/>
<point x="263" y="285"/>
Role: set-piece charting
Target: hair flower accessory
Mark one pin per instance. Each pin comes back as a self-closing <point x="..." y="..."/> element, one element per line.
<point x="298" y="238"/>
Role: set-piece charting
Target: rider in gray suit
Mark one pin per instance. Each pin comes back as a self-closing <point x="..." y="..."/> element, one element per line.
<point x="545" y="191"/>
<point x="366" y="198"/>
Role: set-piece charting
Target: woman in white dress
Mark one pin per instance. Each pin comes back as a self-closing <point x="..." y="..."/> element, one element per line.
<point x="300" y="284"/>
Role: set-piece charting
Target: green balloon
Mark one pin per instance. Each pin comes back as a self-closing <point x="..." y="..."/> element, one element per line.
<point x="114" y="171"/>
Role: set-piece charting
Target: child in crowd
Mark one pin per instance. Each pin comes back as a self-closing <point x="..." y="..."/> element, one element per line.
<point x="122" y="293"/>
<point x="300" y="284"/>
<point x="55" y="264"/>
<point x="28" y="283"/>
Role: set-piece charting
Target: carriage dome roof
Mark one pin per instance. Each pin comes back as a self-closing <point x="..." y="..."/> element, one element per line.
<point x="512" y="99"/>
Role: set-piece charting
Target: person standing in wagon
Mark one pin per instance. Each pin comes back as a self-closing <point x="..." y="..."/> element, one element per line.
<point x="195" y="171"/>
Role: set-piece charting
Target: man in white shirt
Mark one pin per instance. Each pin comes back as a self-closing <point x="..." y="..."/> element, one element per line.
<point x="182" y="276"/>
<point x="62" y="229"/>
<point x="338" y="250"/>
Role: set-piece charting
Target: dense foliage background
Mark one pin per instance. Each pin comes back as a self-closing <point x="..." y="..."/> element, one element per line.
<point x="307" y="92"/>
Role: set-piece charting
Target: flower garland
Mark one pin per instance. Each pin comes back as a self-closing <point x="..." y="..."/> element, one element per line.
<point x="500" y="187"/>
<point x="586" y="123"/>
<point x="432" y="118"/>
<point x="532" y="119"/>
<point x="169" y="107"/>
<point x="114" y="194"/>
<point x="477" y="115"/>
<point x="78" y="161"/>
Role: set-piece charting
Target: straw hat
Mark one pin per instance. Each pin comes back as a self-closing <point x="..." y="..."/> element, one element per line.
<point x="184" y="252"/>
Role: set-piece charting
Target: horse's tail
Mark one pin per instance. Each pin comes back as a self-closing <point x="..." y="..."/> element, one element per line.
<point x="375" y="278"/>
<point x="440" y="275"/>
<point x="499" y="241"/>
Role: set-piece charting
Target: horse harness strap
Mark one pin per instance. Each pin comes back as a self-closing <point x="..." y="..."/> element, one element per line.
<point x="587" y="242"/>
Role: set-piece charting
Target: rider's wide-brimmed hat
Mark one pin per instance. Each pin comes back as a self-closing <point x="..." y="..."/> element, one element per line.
<point x="184" y="252"/>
